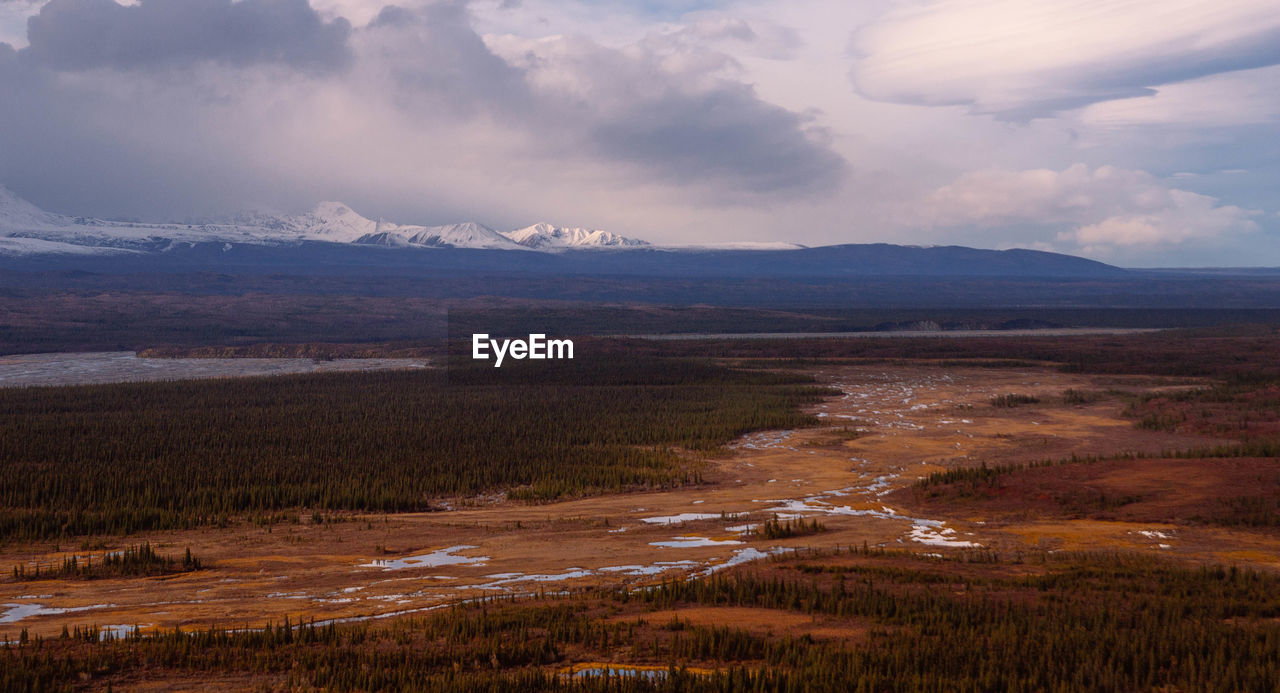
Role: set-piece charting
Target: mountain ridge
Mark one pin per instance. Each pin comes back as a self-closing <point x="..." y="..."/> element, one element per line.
<point x="544" y="236"/>
<point x="334" y="238"/>
<point x="330" y="221"/>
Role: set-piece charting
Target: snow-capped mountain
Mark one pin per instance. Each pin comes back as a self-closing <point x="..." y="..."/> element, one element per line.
<point x="466" y="235"/>
<point x="22" y="224"/>
<point x="328" y="221"/>
<point x="333" y="239"/>
<point x="335" y="222"/>
<point x="545" y="236"/>
<point x="17" y="213"/>
<point x="19" y="246"/>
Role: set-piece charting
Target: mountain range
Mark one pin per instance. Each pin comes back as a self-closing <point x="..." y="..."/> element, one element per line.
<point x="333" y="239"/>
<point x="329" y="222"/>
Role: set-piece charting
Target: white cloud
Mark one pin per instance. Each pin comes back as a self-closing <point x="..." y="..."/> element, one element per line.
<point x="13" y="20"/>
<point x="1103" y="208"/>
<point x="1185" y="217"/>
<point x="723" y="32"/>
<point x="1075" y="194"/>
<point x="1247" y="97"/>
<point x="1028" y="58"/>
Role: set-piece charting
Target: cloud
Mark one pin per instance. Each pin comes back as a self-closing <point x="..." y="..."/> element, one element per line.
<point x="73" y="35"/>
<point x="430" y="59"/>
<point x="1103" y="208"/>
<point x="1248" y="97"/>
<point x="13" y="20"/>
<point x="1186" y="216"/>
<point x="704" y="32"/>
<point x="1029" y="58"/>
<point x="674" y="114"/>
<point x="1077" y="193"/>
<point x="427" y="120"/>
<point x="675" y="121"/>
<point x="723" y="134"/>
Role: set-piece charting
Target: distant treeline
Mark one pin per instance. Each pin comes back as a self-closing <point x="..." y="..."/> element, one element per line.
<point x="82" y="311"/>
<point x="141" y="560"/>
<point x="309" y="350"/>
<point x="1244" y="356"/>
<point x="1245" y="359"/>
<point x="1249" y="412"/>
<point x="658" y="319"/>
<point x="974" y="623"/>
<point x="130" y="457"/>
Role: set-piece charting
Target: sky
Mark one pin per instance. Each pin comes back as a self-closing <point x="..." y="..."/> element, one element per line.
<point x="1143" y="133"/>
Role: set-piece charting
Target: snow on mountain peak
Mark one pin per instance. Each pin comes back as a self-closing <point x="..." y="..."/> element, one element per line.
<point x="17" y="214"/>
<point x="332" y="222"/>
<point x="465" y="235"/>
<point x="333" y="209"/>
<point x="544" y="236"/>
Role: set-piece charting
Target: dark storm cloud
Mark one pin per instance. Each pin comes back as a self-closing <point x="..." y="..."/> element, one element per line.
<point x="71" y="35"/>
<point x="614" y="104"/>
<point x="724" y="133"/>
<point x="425" y="109"/>
<point x="434" y="61"/>
<point x="668" y="110"/>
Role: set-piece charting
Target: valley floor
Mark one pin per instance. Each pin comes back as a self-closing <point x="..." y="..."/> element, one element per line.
<point x="855" y="475"/>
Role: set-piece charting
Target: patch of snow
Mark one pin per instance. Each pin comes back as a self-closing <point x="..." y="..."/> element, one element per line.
<point x="693" y="542"/>
<point x="938" y="536"/>
<point x="656" y="568"/>
<point x="22" y="245"/>
<point x="120" y="631"/>
<point x="741" y="556"/>
<point x="677" y="519"/>
<point x="621" y="670"/>
<point x="429" y="560"/>
<point x="17" y="612"/>
<point x="508" y="578"/>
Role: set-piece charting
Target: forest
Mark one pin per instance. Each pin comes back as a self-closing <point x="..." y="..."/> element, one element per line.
<point x="132" y="561"/>
<point x="1243" y="356"/>
<point x="82" y="311"/>
<point x="892" y="621"/>
<point x="124" y="458"/>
